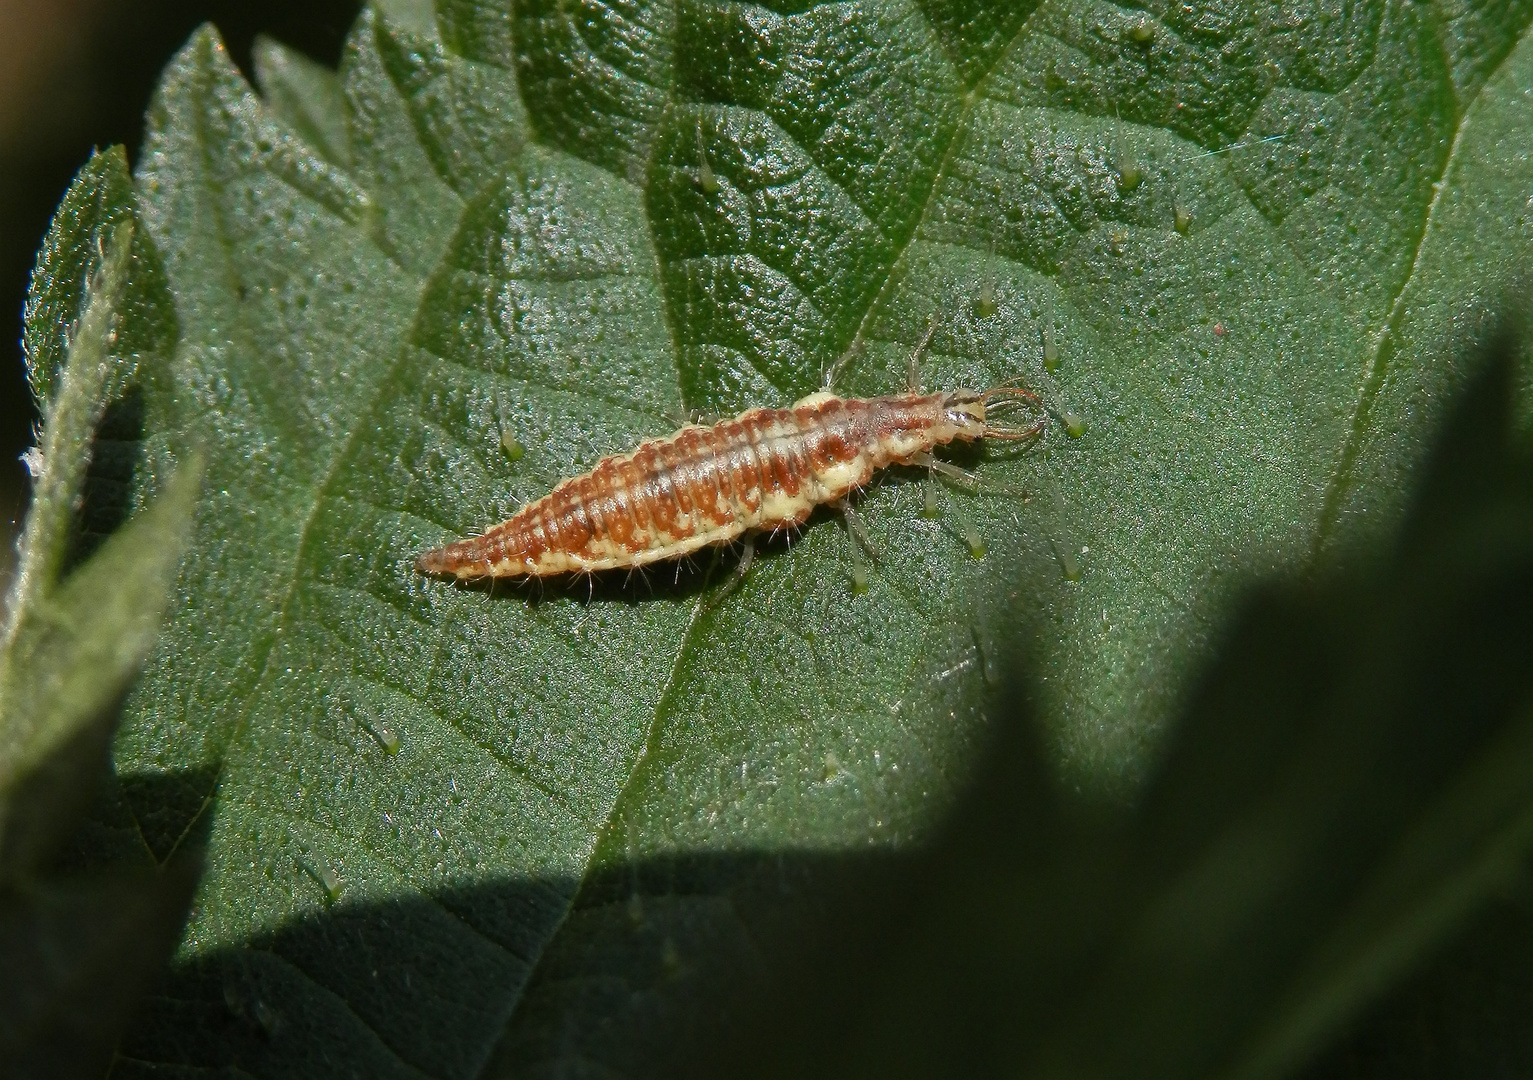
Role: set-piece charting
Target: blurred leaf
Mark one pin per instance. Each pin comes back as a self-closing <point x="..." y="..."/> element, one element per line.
<point x="96" y="205"/>
<point x="77" y="954"/>
<point x="67" y="667"/>
<point x="77" y="949"/>
<point x="1237" y="224"/>
<point x="71" y="647"/>
<point x="1462" y="1015"/>
<point x="307" y="96"/>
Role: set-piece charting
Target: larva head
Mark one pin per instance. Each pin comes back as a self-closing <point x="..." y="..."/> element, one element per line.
<point x="1000" y="404"/>
<point x="964" y="411"/>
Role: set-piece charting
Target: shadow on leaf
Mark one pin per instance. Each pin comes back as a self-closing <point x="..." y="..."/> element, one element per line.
<point x="87" y="925"/>
<point x="1351" y="785"/>
<point x="116" y="450"/>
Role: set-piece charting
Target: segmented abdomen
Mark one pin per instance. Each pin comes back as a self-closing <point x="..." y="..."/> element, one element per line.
<point x="703" y="485"/>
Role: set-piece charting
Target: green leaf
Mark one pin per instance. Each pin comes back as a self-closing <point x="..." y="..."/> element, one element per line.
<point x="96" y="205"/>
<point x="1242" y="228"/>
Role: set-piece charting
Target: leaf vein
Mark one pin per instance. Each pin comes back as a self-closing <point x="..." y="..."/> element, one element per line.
<point x="1376" y="370"/>
<point x="960" y="130"/>
<point x="347" y="1006"/>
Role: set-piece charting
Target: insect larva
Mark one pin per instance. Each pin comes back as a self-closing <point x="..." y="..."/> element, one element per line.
<point x="766" y="469"/>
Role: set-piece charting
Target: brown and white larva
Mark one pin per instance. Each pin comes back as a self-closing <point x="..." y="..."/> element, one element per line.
<point x="764" y="470"/>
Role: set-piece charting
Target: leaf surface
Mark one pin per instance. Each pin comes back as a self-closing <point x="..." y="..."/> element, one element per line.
<point x="559" y="227"/>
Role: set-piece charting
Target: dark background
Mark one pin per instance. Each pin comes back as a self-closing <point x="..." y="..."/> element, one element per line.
<point x="77" y="74"/>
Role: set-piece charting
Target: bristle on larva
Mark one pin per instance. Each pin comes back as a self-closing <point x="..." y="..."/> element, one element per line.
<point x="765" y="469"/>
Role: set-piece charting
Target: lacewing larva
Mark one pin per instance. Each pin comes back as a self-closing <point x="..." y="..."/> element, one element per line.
<point x="764" y="470"/>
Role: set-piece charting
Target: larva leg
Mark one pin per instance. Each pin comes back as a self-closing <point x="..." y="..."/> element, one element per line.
<point x="961" y="521"/>
<point x="932" y="467"/>
<point x="855" y="527"/>
<point x="966" y="528"/>
<point x="748" y="556"/>
<point x="953" y="472"/>
<point x="913" y="371"/>
<point x="947" y="469"/>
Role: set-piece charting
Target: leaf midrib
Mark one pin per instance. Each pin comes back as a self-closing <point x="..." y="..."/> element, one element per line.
<point x="691" y="634"/>
<point x="279" y="626"/>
